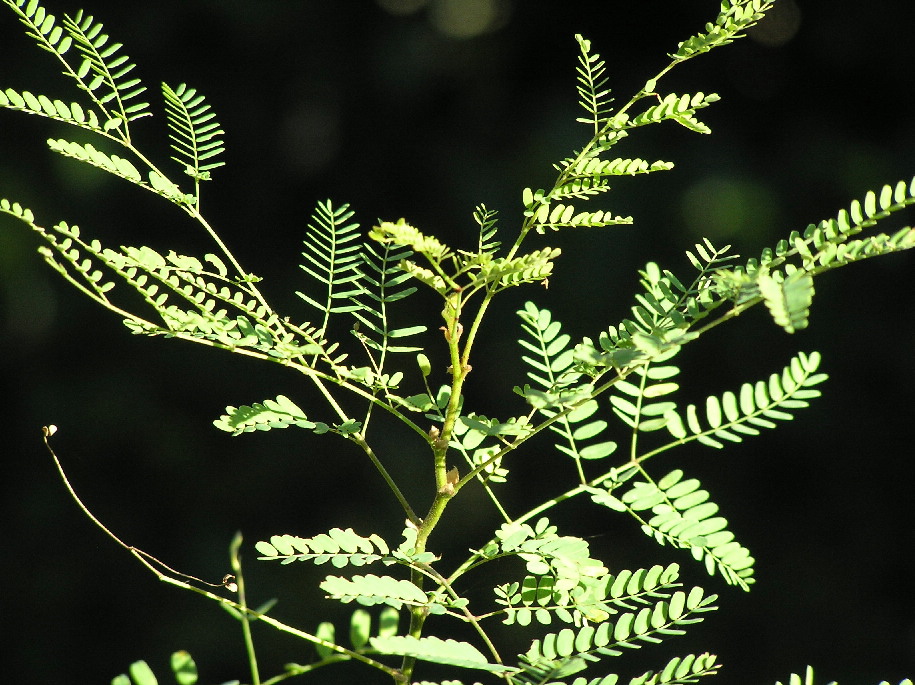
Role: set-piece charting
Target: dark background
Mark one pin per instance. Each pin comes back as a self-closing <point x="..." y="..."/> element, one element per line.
<point x="389" y="111"/>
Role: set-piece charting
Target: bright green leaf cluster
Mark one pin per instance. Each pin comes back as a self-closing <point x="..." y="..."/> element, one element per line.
<point x="337" y="546"/>
<point x="589" y="643"/>
<point x="277" y="413"/>
<point x="183" y="668"/>
<point x="193" y="130"/>
<point x="754" y="406"/>
<point x="436" y="650"/>
<point x="683" y="515"/>
<point x="735" y="18"/>
<point x="355" y="282"/>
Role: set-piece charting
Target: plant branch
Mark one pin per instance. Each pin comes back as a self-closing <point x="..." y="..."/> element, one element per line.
<point x="235" y="558"/>
<point x="154" y="565"/>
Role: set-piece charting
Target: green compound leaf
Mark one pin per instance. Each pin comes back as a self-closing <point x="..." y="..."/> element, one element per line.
<point x="651" y="624"/>
<point x="94" y="63"/>
<point x="504" y="273"/>
<point x="660" y="320"/>
<point x="205" y="296"/>
<point x="828" y="245"/>
<point x="90" y="155"/>
<point x="121" y="167"/>
<point x="678" y="108"/>
<point x="278" y="413"/>
<point x="194" y="301"/>
<point x="103" y="73"/>
<point x="43" y="106"/>
<point x="558" y="216"/>
<point x="402" y="233"/>
<point x="593" y="93"/>
<point x="735" y="18"/>
<point x="436" y="650"/>
<point x="627" y="589"/>
<point x="371" y="589"/>
<point x="683" y="516"/>
<point x="17" y="211"/>
<point x="735" y="415"/>
<point x="538" y="599"/>
<point x="787" y="298"/>
<point x="41" y="26"/>
<point x="332" y="258"/>
<point x="382" y="283"/>
<point x="338" y="546"/>
<point x="552" y="361"/>
<point x="193" y="130"/>
<point x="488" y="223"/>
<point x="643" y="403"/>
<point x="585" y="170"/>
<point x="479" y="438"/>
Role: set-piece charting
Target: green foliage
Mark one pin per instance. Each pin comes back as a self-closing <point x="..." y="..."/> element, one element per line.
<point x="382" y="284"/>
<point x="101" y="72"/>
<point x="678" y="108"/>
<point x="279" y="413"/>
<point x="593" y="93"/>
<point x="788" y="298"/>
<point x="736" y="16"/>
<point x="340" y="547"/>
<point x="193" y="131"/>
<point x="614" y="392"/>
<point x="807" y="679"/>
<point x="360" y="631"/>
<point x="684" y="516"/>
<point x="332" y="258"/>
<point x="42" y="105"/>
<point x="687" y="669"/>
<point x="595" y="598"/>
<point x="370" y="589"/>
<point x="754" y="406"/>
<point x="563" y="560"/>
<point x="183" y="668"/>
<point x="450" y="652"/>
<point x="88" y="154"/>
<point x="589" y="643"/>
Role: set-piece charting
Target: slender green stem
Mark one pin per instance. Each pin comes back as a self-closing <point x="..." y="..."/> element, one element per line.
<point x="155" y="565"/>
<point x="446" y="585"/>
<point x="360" y="440"/>
<point x="392" y="485"/>
<point x="293" y="670"/>
<point x="195" y="213"/>
<point x="634" y="439"/>
<point x="235" y="559"/>
<point x="453" y="330"/>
